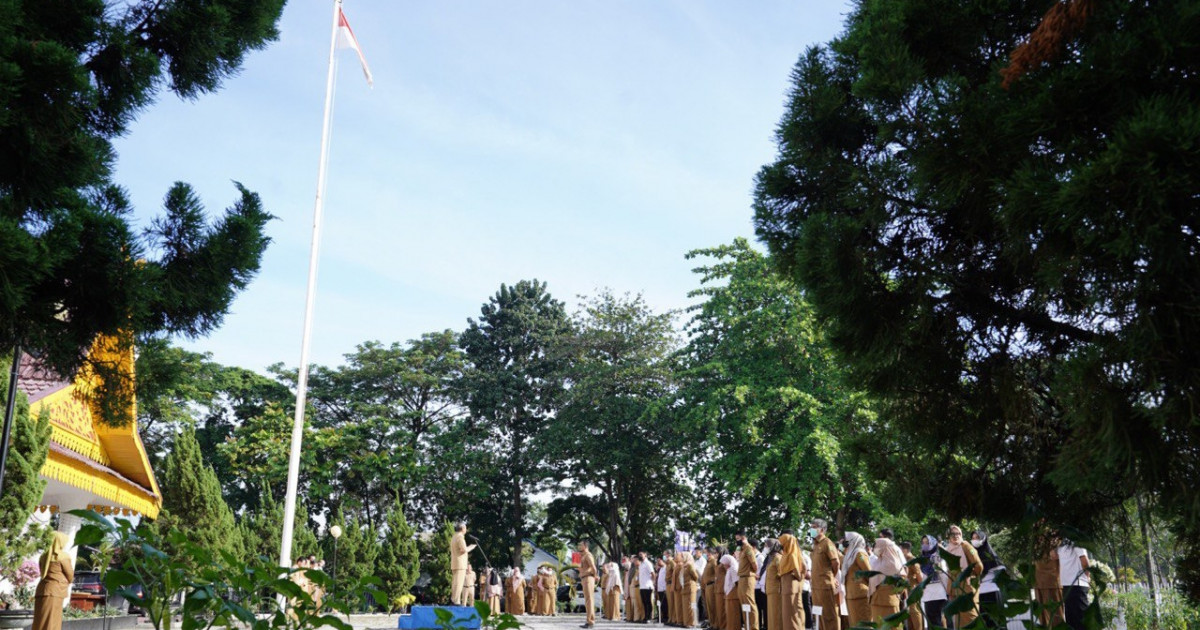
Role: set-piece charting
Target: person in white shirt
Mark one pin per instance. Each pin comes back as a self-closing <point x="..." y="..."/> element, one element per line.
<point x="1073" y="574"/>
<point x="646" y="585"/>
<point x="806" y="589"/>
<point x="701" y="560"/>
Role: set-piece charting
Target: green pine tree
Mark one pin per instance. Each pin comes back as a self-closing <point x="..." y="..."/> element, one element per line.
<point x="435" y="562"/>
<point x="261" y="530"/>
<point x="356" y="552"/>
<point x="399" y="560"/>
<point x="192" y="501"/>
<point x="22" y="486"/>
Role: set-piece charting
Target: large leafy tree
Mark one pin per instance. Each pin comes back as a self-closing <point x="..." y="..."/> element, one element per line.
<point x="1010" y="269"/>
<point x="513" y="386"/>
<point x="387" y="405"/>
<point x="73" y="75"/>
<point x="614" y="431"/>
<point x="772" y="403"/>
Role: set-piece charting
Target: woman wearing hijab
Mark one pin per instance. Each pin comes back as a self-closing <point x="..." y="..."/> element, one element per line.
<point x="856" y="589"/>
<point x="689" y="583"/>
<point x="494" y="589"/>
<point x="968" y="561"/>
<point x="58" y="569"/>
<point x="769" y="569"/>
<point x="733" y="608"/>
<point x="611" y="587"/>
<point x="515" y="597"/>
<point x="717" y="618"/>
<point x="789" y="568"/>
<point x="933" y="571"/>
<point x="989" y="591"/>
<point x="885" y="598"/>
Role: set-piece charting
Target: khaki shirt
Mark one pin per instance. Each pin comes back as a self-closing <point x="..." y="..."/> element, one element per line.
<point x="587" y="565"/>
<point x="458" y="553"/>
<point x="748" y="565"/>
<point x="857" y="588"/>
<point x="825" y="563"/>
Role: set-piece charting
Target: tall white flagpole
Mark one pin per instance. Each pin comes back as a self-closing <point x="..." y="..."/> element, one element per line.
<point x="293" y="478"/>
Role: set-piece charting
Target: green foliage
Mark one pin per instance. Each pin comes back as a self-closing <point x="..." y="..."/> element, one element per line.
<point x="23" y="487"/>
<point x="764" y="391"/>
<point x="192" y="501"/>
<point x="357" y="551"/>
<point x="398" y="564"/>
<point x="386" y="405"/>
<point x="435" y="562"/>
<point x="1136" y="607"/>
<point x="488" y="619"/>
<point x="1007" y="270"/>
<point x="74" y="75"/>
<point x="262" y="529"/>
<point x="614" y="430"/>
<point x="217" y="589"/>
<point x="513" y="387"/>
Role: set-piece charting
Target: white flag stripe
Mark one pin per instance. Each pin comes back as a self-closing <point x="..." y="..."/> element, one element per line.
<point x="346" y="39"/>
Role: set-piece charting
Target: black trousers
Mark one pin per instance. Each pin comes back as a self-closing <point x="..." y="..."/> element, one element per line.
<point x="933" y="614"/>
<point x="1075" y="602"/>
<point x="664" y="612"/>
<point x="647" y="595"/>
<point x="760" y="600"/>
<point x="806" y="600"/>
<point x="987" y="604"/>
<point x="702" y="610"/>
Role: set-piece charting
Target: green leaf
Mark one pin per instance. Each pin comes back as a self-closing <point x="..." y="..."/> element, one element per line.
<point x="960" y="604"/>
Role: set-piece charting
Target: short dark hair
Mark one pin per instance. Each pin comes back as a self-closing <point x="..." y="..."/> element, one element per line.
<point x="753" y="543"/>
<point x="460" y="526"/>
<point x="788" y="532"/>
<point x="887" y="533"/>
<point x="907" y="546"/>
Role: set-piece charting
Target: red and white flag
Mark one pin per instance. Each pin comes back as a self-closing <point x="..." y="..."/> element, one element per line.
<point x="346" y="39"/>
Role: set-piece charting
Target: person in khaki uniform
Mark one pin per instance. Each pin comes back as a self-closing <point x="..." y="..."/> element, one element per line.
<point x="458" y="564"/>
<point x="914" y="576"/>
<point x="58" y="570"/>
<point x="857" y="590"/>
<point x="718" y="617"/>
<point x="748" y="580"/>
<point x="885" y="598"/>
<point x="612" y="589"/>
<point x="968" y="561"/>
<point x="514" y="600"/>
<point x="669" y="594"/>
<point x="551" y="593"/>
<point x="689" y="580"/>
<point x="468" y="594"/>
<point x="825" y="563"/>
<point x="733" y="608"/>
<point x="1048" y="588"/>
<point x="790" y="571"/>
<point x="707" y="579"/>
<point x="587" y="579"/>
<point x="771" y="588"/>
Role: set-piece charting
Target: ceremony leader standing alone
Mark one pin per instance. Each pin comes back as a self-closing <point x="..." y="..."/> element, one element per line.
<point x="458" y="564"/>
<point x="587" y="575"/>
<point x="58" y="569"/>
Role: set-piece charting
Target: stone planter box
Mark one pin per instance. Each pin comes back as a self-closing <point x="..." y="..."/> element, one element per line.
<point x="21" y="618"/>
<point x="119" y="622"/>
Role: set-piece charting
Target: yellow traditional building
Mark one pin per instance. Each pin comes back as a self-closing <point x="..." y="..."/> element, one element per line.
<point x="90" y="463"/>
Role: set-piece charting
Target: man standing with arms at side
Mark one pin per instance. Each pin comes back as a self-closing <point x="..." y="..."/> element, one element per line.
<point x="587" y="576"/>
<point x="646" y="585"/>
<point x="458" y="564"/>
<point x="825" y="564"/>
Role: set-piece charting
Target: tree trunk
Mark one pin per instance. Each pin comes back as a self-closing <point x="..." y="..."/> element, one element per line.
<point x="1150" y="568"/>
<point x="518" y="520"/>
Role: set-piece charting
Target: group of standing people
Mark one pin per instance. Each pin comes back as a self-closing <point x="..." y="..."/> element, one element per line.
<point x="777" y="585"/>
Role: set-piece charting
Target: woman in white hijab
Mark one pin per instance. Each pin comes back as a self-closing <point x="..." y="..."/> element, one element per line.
<point x="612" y="591"/>
<point x="885" y="599"/>
<point x="856" y="589"/>
<point x="733" y="609"/>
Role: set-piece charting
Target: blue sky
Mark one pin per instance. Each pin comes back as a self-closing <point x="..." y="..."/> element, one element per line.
<point x="587" y="143"/>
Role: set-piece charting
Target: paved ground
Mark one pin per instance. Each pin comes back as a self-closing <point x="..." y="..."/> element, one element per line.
<point x="573" y="621"/>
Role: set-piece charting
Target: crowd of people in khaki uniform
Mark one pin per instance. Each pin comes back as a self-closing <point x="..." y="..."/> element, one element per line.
<point x="781" y="586"/>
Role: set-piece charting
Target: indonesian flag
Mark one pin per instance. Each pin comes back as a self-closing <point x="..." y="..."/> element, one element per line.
<point x="346" y="39"/>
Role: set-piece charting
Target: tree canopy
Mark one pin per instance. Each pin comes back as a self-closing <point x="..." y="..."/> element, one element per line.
<point x="1009" y="269"/>
<point x="75" y="75"/>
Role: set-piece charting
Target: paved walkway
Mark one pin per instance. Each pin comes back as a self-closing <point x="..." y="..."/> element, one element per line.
<point x="574" y="620"/>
